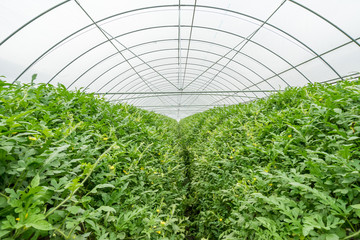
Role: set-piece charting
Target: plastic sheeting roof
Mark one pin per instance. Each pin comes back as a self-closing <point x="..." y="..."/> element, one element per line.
<point x="180" y="57"/>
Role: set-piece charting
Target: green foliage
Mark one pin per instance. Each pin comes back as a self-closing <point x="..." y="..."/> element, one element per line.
<point x="73" y="166"/>
<point x="284" y="167"/>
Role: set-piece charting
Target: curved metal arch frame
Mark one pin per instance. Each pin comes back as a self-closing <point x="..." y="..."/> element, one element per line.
<point x="147" y="53"/>
<point x="254" y="60"/>
<point x="173" y="68"/>
<point x="183" y="5"/>
<point x="201" y="59"/>
<point x="134" y="102"/>
<point x="331" y="50"/>
<point x="238" y="63"/>
<point x="309" y="60"/>
<point x="192" y="5"/>
<point x="326" y="20"/>
<point x="293" y="67"/>
<point x="162" y="66"/>
<point x="32" y="20"/>
<point x="192" y="50"/>
<point x="162" y="70"/>
<point x="157" y="59"/>
<point x="135" y="93"/>
<point x="170" y="26"/>
<point x="162" y="84"/>
<point x="166" y="74"/>
<point x="160" y="79"/>
<point x="233" y="101"/>
<point x="218" y="45"/>
<point x="235" y="95"/>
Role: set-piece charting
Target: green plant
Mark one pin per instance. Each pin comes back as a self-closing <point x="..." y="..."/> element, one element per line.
<point x="85" y="168"/>
<point x="285" y="167"/>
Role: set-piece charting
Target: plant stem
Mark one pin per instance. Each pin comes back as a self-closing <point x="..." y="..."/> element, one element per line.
<point x="141" y="155"/>
<point x="352" y="227"/>
<point x="72" y="230"/>
<point x="24" y="172"/>
<point x="63" y="234"/>
<point x="7" y="198"/>
<point x="353" y="235"/>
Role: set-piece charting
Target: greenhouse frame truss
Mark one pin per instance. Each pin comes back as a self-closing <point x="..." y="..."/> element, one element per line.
<point x="178" y="58"/>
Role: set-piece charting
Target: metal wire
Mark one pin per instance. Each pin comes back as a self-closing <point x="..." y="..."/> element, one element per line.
<point x="193" y="64"/>
<point x="150" y="96"/>
<point x="304" y="62"/>
<point x="32" y="20"/>
<point x="245" y="41"/>
<point x="109" y="40"/>
<point x="326" y="20"/>
<point x="137" y="56"/>
<point x="164" y="65"/>
<point x="189" y="42"/>
<point x="191" y="92"/>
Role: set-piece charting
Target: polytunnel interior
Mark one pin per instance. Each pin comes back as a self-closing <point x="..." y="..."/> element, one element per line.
<point x="181" y="57"/>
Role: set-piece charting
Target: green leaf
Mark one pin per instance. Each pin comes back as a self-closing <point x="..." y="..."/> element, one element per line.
<point x="331" y="237"/>
<point x="107" y="209"/>
<point x="106" y="185"/>
<point x="3" y="202"/>
<point x="74" y="209"/>
<point x="41" y="225"/>
<point x="121" y="235"/>
<point x="3" y="233"/>
<point x="338" y="110"/>
<point x="7" y="148"/>
<point x="13" y="118"/>
<point x="356" y="206"/>
<point x="353" y="138"/>
<point x="56" y="154"/>
<point x="307" y="229"/>
<point x="343" y="191"/>
<point x="33" y="77"/>
<point x="36" y="181"/>
<point x="175" y="228"/>
<point x="357" y="213"/>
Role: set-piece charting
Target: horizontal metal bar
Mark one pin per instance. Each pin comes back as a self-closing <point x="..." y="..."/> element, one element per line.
<point x="180" y="92"/>
<point x="222" y="95"/>
<point x="346" y="77"/>
<point x="180" y="106"/>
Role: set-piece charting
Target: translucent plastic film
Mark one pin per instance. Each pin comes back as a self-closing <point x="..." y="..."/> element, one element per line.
<point x="180" y="57"/>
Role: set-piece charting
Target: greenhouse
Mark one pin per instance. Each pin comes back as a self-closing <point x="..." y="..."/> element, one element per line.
<point x="183" y="119"/>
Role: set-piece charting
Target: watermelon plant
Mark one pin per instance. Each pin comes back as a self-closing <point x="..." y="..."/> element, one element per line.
<point x="73" y="166"/>
<point x="285" y="167"/>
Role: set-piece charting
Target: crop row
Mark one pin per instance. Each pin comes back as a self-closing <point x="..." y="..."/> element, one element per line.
<point x="73" y="166"/>
<point x="284" y="167"/>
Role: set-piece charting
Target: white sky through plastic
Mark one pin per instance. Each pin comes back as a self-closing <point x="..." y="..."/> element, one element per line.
<point x="180" y="57"/>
